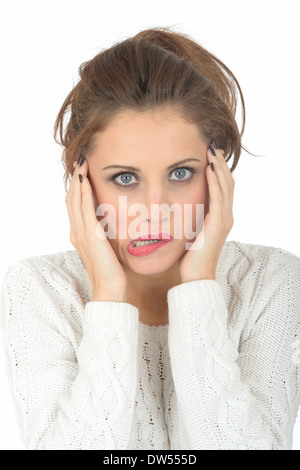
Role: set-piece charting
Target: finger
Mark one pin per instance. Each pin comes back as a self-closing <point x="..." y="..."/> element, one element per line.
<point x="75" y="165"/>
<point x="220" y="207"/>
<point x="215" y="193"/>
<point x="73" y="202"/>
<point x="90" y="220"/>
<point x="222" y="172"/>
<point x="226" y="187"/>
<point x="220" y="162"/>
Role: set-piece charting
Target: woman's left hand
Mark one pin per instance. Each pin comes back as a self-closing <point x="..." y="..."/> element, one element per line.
<point x="201" y="259"/>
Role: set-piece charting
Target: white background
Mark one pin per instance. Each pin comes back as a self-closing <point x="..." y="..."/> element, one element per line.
<point x="42" y="46"/>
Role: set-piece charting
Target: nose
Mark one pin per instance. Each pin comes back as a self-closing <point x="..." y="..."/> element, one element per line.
<point x="156" y="206"/>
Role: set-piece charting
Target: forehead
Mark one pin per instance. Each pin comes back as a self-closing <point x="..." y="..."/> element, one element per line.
<point x="148" y="141"/>
<point x="160" y="130"/>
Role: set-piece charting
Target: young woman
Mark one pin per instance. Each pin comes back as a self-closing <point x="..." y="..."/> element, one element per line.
<point x="171" y="342"/>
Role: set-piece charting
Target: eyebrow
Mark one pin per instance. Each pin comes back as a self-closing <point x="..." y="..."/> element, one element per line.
<point x="132" y="168"/>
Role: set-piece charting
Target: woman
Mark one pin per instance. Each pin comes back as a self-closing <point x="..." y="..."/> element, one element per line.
<point x="152" y="345"/>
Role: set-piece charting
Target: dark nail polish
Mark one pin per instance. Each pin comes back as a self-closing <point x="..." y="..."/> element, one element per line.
<point x="212" y="166"/>
<point x="215" y="144"/>
<point x="80" y="160"/>
<point x="212" y="150"/>
<point x="80" y="178"/>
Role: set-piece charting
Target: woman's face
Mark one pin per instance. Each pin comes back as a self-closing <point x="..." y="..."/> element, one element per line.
<point x="151" y="142"/>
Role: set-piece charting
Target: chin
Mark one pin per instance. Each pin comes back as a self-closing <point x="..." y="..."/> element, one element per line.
<point x="150" y="267"/>
<point x="154" y="263"/>
<point x="149" y="270"/>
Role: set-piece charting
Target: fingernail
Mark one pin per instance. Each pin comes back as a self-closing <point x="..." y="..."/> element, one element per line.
<point x="80" y="178"/>
<point x="212" y="150"/>
<point x="212" y="166"/>
<point x="80" y="160"/>
<point x="215" y="144"/>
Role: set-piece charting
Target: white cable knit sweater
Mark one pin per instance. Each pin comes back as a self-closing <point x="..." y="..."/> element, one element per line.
<point x="223" y="374"/>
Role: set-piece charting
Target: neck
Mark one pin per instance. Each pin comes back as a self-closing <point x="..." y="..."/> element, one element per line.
<point x="149" y="294"/>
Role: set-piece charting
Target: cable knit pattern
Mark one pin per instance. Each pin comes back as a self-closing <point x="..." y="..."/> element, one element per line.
<point x="223" y="374"/>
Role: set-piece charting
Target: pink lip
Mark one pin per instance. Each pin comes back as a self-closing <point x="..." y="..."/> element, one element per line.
<point x="147" y="249"/>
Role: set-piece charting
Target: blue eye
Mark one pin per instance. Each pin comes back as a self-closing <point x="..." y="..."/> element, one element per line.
<point x="126" y="177"/>
<point x="181" y="173"/>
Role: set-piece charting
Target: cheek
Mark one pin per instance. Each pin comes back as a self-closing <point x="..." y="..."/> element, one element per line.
<point x="106" y="199"/>
<point x="194" y="210"/>
<point x="197" y="193"/>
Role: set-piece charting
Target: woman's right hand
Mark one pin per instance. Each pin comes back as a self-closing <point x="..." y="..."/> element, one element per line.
<point x="106" y="272"/>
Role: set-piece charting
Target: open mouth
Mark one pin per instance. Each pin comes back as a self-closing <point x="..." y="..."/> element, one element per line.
<point x="151" y="238"/>
<point x="147" y="244"/>
<point x="138" y="243"/>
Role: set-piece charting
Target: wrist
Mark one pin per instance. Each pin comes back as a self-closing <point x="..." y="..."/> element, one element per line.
<point x="107" y="296"/>
<point x="208" y="276"/>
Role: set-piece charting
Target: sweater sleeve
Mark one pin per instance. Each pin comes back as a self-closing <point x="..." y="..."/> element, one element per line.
<point x="241" y="397"/>
<point x="69" y="397"/>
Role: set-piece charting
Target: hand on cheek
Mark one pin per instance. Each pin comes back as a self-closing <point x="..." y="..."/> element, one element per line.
<point x="200" y="261"/>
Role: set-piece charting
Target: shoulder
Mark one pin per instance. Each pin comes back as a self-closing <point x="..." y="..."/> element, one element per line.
<point x="258" y="260"/>
<point x="46" y="292"/>
<point x="259" y="281"/>
<point x="65" y="265"/>
<point x="47" y="262"/>
<point x="269" y="300"/>
<point x="59" y="276"/>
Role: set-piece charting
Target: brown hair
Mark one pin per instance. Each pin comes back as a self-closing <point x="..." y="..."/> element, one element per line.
<point x="156" y="67"/>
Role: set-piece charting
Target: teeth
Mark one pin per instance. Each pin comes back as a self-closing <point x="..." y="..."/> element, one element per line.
<point x="144" y="242"/>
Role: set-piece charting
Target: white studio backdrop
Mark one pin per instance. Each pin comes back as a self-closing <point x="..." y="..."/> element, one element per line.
<point x="43" y="44"/>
